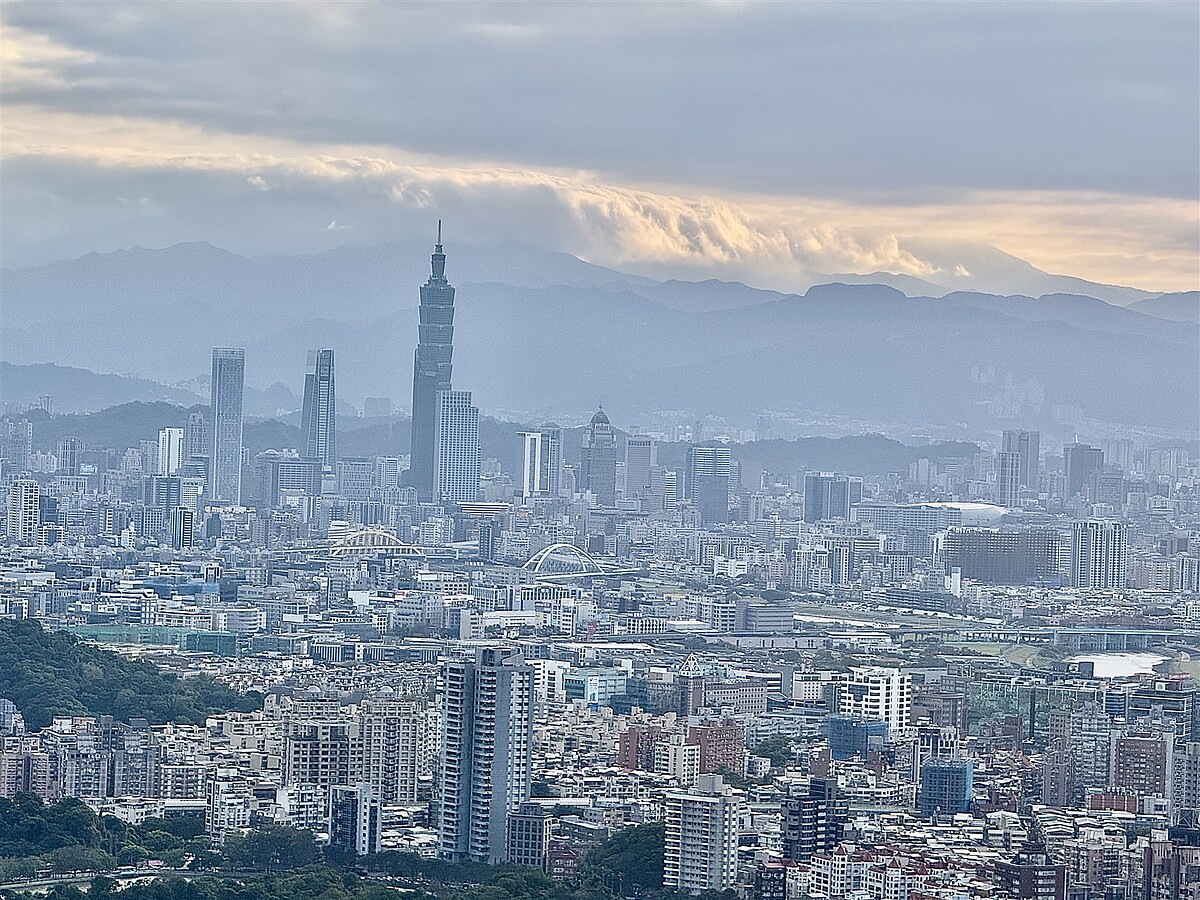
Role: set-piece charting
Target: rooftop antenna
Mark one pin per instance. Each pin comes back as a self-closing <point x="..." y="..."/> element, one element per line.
<point x="439" y="240"/>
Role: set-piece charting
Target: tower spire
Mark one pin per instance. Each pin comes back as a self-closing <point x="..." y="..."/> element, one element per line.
<point x="439" y="239"/>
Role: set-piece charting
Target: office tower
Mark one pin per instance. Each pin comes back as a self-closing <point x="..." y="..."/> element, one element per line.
<point x="1008" y="478"/>
<point x="874" y="693"/>
<point x="431" y="372"/>
<point x="641" y="455"/>
<point x="170" y="450"/>
<point x="850" y="737"/>
<point x="1099" y="554"/>
<point x="23" y="512"/>
<point x="708" y="481"/>
<point x="68" y="456"/>
<point x="487" y="721"/>
<point x="318" y="425"/>
<point x="197" y="436"/>
<point x="183" y="528"/>
<point x="599" y="460"/>
<point x="1079" y="462"/>
<point x="1027" y="444"/>
<point x="814" y="823"/>
<point x="701" y="836"/>
<point x="828" y="495"/>
<point x="354" y="813"/>
<point x="945" y="787"/>
<point x="225" y="416"/>
<point x="541" y="469"/>
<point x="456" y="448"/>
<point x="281" y="477"/>
<point x="18" y="445"/>
<point x="1032" y="874"/>
<point x="1019" y="556"/>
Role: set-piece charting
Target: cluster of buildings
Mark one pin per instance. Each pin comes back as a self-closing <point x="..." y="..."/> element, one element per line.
<point x="880" y="686"/>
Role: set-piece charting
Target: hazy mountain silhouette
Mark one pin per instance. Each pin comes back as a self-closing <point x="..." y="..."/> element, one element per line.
<point x="542" y="335"/>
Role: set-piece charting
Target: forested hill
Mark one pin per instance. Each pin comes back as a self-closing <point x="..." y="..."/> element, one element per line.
<point x="48" y="674"/>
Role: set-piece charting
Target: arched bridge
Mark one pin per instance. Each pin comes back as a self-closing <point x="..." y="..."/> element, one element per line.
<point x="566" y="562"/>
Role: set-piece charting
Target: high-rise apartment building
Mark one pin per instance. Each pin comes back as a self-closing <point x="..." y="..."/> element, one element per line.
<point x="873" y="693"/>
<point x="318" y="425"/>
<point x="431" y="372"/>
<point x="170" y="450"/>
<point x="23" y="512"/>
<point x="701" y="836"/>
<point x="599" y="459"/>
<point x="487" y="723"/>
<point x="828" y="495"/>
<point x="456" y="448"/>
<point x="1008" y="478"/>
<point x="1100" y="553"/>
<point x="225" y="416"/>
<point x="814" y="823"/>
<point x="1027" y="445"/>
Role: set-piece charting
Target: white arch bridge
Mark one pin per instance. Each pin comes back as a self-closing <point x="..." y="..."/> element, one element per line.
<point x="566" y="562"/>
<point x="371" y="542"/>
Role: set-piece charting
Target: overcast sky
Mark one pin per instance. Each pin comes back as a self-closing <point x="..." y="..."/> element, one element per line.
<point x="697" y="138"/>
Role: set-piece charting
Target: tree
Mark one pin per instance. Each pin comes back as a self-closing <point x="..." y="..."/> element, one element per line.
<point x="272" y="848"/>
<point x="631" y="861"/>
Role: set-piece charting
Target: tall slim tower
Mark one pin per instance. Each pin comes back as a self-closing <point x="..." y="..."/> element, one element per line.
<point x="599" y="459"/>
<point x="225" y="416"/>
<point x="431" y="370"/>
<point x="319" y="425"/>
<point x="487" y="721"/>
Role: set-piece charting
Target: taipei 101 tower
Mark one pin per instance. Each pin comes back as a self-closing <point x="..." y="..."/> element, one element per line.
<point x="431" y="370"/>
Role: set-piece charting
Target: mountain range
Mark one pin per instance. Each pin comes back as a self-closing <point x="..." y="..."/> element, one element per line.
<point x="542" y="335"/>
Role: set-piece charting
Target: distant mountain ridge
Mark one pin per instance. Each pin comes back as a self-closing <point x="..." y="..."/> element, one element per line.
<point x="549" y="336"/>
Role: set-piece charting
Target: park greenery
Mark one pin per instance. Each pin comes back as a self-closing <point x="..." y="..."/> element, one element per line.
<point x="39" y="840"/>
<point x="51" y="673"/>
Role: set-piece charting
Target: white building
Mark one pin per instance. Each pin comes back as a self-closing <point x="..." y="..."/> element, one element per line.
<point x="701" y="829"/>
<point x="873" y="693"/>
<point x="23" y="513"/>
<point x="1100" y="552"/>
<point x="170" y="451"/>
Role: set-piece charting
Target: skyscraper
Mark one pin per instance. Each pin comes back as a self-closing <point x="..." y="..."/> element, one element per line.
<point x="225" y="416"/>
<point x="197" y="436"/>
<point x="828" y="495"/>
<point x="541" y="468"/>
<point x="1079" y="462"/>
<point x="487" y="721"/>
<point x="68" y="456"/>
<point x="1100" y="554"/>
<point x="318" y="427"/>
<point x="456" y="455"/>
<point x="431" y="371"/>
<point x="170" y="450"/>
<point x="1008" y="477"/>
<point x="599" y="460"/>
<point x="709" y="470"/>
<point x="1028" y="445"/>
<point x="641" y="455"/>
